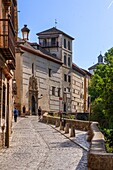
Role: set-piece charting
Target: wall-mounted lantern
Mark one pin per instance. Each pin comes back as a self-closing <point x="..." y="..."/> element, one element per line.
<point x="25" y="32"/>
<point x="14" y="87"/>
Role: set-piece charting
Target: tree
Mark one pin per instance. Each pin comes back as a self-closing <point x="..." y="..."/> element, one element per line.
<point x="101" y="91"/>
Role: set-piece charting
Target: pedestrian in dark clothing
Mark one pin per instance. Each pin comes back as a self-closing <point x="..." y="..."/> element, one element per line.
<point x="39" y="112"/>
<point x="15" y="111"/>
<point x="60" y="116"/>
<point x="24" y="109"/>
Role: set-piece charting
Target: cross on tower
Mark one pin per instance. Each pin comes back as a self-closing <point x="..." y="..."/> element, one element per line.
<point x="55" y="23"/>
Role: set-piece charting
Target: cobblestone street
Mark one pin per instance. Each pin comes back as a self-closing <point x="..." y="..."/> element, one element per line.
<point x="38" y="146"/>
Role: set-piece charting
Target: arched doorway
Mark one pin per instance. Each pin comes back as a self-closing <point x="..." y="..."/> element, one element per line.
<point x="33" y="106"/>
<point x="33" y="96"/>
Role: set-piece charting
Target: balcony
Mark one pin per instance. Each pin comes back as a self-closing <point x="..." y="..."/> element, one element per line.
<point x="7" y="39"/>
<point x="7" y="3"/>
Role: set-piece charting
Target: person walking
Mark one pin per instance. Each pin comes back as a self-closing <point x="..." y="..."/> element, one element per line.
<point x="39" y="113"/>
<point x="24" y="110"/>
<point x="15" y="111"/>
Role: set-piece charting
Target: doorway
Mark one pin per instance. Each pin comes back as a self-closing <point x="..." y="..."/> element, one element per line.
<point x="33" y="106"/>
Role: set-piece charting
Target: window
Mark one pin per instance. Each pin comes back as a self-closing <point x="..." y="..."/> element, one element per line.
<point x="64" y="107"/>
<point x="32" y="68"/>
<point x="69" y="61"/>
<point x="82" y="84"/>
<point x="53" y="91"/>
<point x="49" y="72"/>
<point x="75" y="107"/>
<point x="69" y="79"/>
<point x="64" y="89"/>
<point x="68" y="89"/>
<point x="65" y="77"/>
<point x="44" y="42"/>
<point x="64" y="43"/>
<point x="69" y="45"/>
<point x="73" y="90"/>
<point x="58" y="92"/>
<point x="65" y="60"/>
<point x="54" y="55"/>
<point x="53" y="41"/>
<point x="81" y="95"/>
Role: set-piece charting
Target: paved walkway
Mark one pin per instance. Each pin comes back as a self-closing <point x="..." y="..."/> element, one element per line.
<point x="38" y="146"/>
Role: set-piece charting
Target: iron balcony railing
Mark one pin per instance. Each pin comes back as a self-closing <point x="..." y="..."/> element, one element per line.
<point x="7" y="39"/>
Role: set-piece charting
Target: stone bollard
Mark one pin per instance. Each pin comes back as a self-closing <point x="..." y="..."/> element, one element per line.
<point x="47" y="121"/>
<point x="57" y="123"/>
<point x="67" y="128"/>
<point x="72" y="134"/>
<point x="61" y="126"/>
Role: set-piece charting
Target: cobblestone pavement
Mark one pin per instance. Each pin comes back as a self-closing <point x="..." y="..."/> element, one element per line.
<point x="38" y="146"/>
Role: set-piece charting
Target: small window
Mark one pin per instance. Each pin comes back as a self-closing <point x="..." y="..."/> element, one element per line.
<point x="82" y="84"/>
<point x="81" y="95"/>
<point x="75" y="107"/>
<point x="54" y="54"/>
<point x="32" y="68"/>
<point x="69" y="61"/>
<point x="53" y="91"/>
<point x="65" y="60"/>
<point x="44" y="42"/>
<point x="58" y="92"/>
<point x="69" y="45"/>
<point x="64" y="89"/>
<point x="49" y="72"/>
<point x="65" y="77"/>
<point x="64" y="43"/>
<point x="69" y="79"/>
<point x="53" y="41"/>
<point x="73" y="90"/>
<point x="64" y="107"/>
<point x="68" y="89"/>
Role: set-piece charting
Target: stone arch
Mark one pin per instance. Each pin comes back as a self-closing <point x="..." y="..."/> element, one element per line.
<point x="33" y="95"/>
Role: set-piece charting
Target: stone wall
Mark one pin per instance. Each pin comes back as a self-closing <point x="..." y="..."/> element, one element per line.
<point x="81" y="125"/>
<point x="98" y="158"/>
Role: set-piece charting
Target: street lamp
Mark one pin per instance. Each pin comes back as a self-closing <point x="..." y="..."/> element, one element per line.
<point x="25" y="32"/>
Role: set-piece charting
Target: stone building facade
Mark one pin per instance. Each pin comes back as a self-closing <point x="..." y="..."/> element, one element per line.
<point x="78" y="76"/>
<point x="40" y="79"/>
<point x="59" y="44"/>
<point x="46" y="75"/>
<point x="8" y="36"/>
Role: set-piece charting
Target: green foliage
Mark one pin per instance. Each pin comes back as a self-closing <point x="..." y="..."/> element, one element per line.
<point x="101" y="92"/>
<point x="108" y="133"/>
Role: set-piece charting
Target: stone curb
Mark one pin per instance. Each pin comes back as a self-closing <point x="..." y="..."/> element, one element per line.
<point x="63" y="133"/>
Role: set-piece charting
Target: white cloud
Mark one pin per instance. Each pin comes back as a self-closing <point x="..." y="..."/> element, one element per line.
<point x="110" y="4"/>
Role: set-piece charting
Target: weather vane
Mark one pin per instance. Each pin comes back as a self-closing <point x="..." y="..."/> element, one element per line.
<point x="55" y="23"/>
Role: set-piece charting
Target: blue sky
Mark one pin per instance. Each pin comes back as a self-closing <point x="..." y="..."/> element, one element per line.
<point x="90" y="22"/>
